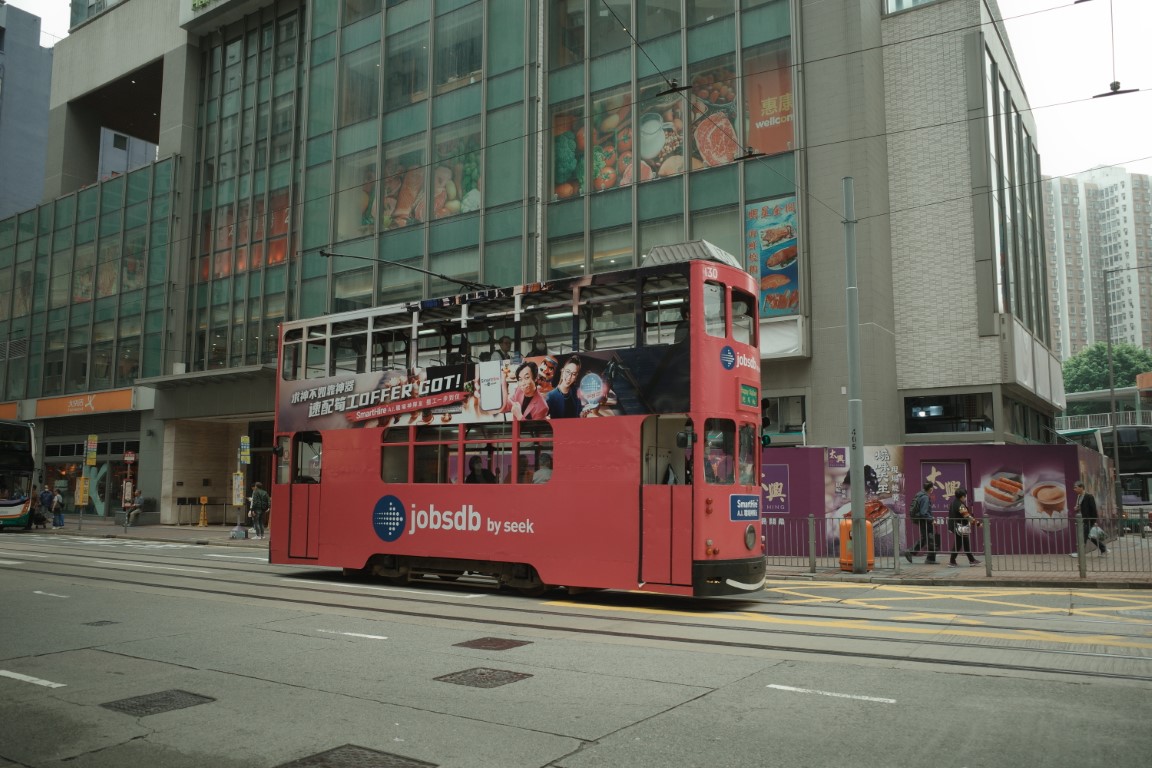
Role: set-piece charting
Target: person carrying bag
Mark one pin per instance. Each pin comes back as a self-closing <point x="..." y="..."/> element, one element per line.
<point x="961" y="523"/>
<point x="921" y="514"/>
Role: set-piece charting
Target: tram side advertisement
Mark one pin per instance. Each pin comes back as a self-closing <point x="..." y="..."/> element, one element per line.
<point x="630" y="381"/>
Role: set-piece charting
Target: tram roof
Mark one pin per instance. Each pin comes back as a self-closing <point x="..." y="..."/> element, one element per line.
<point x="690" y="251"/>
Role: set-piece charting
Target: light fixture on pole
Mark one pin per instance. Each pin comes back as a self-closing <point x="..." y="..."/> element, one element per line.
<point x="1114" y="88"/>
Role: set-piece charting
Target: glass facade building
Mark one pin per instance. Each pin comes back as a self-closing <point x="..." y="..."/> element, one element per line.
<point x="312" y="150"/>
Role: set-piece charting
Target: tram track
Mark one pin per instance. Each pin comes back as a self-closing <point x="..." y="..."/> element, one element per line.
<point x="566" y="617"/>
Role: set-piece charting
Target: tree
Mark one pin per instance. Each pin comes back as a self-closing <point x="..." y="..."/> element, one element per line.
<point x="1088" y="370"/>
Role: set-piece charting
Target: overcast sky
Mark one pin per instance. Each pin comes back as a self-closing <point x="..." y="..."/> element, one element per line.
<point x="1065" y="54"/>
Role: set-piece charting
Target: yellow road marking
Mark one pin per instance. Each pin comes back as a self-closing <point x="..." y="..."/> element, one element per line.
<point x="863" y="625"/>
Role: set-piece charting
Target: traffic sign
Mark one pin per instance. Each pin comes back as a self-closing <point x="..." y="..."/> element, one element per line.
<point x="129" y="456"/>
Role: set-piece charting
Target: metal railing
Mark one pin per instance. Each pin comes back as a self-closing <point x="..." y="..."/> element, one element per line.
<point x="1101" y="420"/>
<point x="1006" y="546"/>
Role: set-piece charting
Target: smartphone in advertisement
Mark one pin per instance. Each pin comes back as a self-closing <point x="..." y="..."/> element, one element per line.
<point x="491" y="378"/>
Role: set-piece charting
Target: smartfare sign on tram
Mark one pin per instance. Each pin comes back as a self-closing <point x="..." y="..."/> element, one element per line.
<point x="743" y="507"/>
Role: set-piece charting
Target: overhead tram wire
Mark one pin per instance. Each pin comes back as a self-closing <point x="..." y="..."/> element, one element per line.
<point x="470" y="284"/>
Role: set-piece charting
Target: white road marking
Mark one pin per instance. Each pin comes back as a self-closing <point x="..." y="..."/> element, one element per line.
<point x="148" y="565"/>
<point x="833" y="694"/>
<point x="352" y="634"/>
<point x="20" y="554"/>
<point x="376" y="589"/>
<point x="33" y="680"/>
<point x="47" y="594"/>
<point x="241" y="557"/>
<point x="11" y="562"/>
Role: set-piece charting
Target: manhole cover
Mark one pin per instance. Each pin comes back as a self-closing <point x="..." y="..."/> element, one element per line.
<point x="481" y="677"/>
<point x="351" y="756"/>
<point x="156" y="703"/>
<point x="493" y="644"/>
<point x="99" y="623"/>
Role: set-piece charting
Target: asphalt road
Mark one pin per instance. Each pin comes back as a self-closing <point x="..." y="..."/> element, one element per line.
<point x="125" y="653"/>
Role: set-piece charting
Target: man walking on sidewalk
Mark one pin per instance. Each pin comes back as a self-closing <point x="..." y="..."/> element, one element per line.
<point x="1086" y="508"/>
<point x="921" y="514"/>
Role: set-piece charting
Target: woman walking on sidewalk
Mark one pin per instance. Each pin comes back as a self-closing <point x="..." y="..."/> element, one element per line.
<point x="961" y="523"/>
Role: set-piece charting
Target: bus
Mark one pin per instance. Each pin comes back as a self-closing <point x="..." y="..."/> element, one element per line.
<point x="17" y="469"/>
<point x="593" y="432"/>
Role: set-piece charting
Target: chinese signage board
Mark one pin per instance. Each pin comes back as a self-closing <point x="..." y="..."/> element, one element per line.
<point x="771" y="255"/>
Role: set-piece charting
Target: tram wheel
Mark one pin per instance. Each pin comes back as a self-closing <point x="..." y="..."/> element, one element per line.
<point x="534" y="590"/>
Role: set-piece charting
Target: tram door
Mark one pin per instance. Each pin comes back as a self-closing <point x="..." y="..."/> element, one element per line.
<point x="666" y="501"/>
<point x="304" y="502"/>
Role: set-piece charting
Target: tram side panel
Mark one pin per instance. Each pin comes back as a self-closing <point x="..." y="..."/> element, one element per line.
<point x="581" y="528"/>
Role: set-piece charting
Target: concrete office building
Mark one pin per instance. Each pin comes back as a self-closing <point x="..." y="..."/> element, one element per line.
<point x="411" y="131"/>
<point x="1096" y="222"/>
<point x="25" y="72"/>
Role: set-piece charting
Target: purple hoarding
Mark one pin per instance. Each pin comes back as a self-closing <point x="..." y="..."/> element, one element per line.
<point x="1025" y="488"/>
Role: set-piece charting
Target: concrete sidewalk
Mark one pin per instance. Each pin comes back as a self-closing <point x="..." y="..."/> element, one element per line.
<point x="105" y="528"/>
<point x="1008" y="571"/>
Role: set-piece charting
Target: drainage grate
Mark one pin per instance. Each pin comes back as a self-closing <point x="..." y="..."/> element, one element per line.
<point x="157" y="703"/>
<point x="99" y="623"/>
<point x="493" y="644"/>
<point x="351" y="756"/>
<point x="481" y="677"/>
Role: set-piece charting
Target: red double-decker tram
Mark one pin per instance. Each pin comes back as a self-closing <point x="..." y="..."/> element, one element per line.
<point x="598" y="432"/>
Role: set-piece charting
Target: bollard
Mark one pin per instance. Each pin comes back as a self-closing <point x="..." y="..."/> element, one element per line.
<point x="1080" y="559"/>
<point x="811" y="543"/>
<point x="987" y="526"/>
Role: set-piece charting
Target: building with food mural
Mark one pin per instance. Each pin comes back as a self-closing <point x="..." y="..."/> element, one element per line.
<point x="507" y="142"/>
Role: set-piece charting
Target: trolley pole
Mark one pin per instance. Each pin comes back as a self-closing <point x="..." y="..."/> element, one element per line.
<point x="855" y="406"/>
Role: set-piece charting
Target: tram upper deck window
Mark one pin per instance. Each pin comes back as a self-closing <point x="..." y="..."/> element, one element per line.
<point x="349" y="347"/>
<point x="745" y="322"/>
<point x="293" y="359"/>
<point x="608" y="316"/>
<point x="715" y="310"/>
<point x="665" y="299"/>
<point x="546" y="323"/>
<point x="316" y="352"/>
<point x="390" y="349"/>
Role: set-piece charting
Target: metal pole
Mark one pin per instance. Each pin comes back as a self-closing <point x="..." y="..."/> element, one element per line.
<point x="1117" y="487"/>
<point x="855" y="407"/>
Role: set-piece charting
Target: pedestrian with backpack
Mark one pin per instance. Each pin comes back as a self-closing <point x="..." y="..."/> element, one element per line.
<point x="921" y="514"/>
<point x="258" y="506"/>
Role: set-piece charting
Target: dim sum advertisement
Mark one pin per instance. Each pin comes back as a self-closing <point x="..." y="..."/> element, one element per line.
<point x="771" y="255"/>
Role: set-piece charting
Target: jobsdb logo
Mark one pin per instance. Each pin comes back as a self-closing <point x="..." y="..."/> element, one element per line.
<point x="729" y="359"/>
<point x="390" y="518"/>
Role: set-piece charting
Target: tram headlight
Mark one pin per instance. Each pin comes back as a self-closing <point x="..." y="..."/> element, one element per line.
<point x="750" y="536"/>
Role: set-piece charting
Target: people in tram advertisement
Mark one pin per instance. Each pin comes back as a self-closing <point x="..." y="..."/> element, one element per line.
<point x="1028" y="488"/>
<point x="579" y="385"/>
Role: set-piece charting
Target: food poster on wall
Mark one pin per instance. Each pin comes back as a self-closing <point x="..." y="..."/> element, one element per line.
<point x="771" y="254"/>
<point x="577" y="385"/>
<point x="1025" y="491"/>
<point x="768" y="93"/>
<point x="884" y="493"/>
